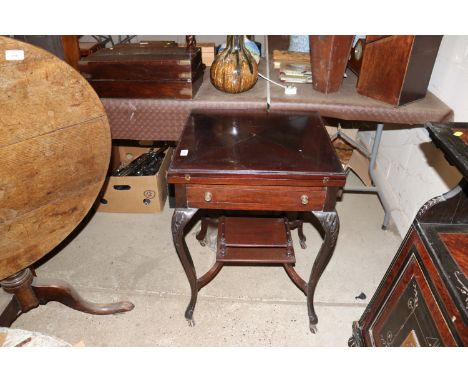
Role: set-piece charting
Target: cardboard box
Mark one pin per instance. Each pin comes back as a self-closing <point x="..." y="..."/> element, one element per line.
<point x="208" y="52"/>
<point x="134" y="194"/>
<point x="357" y="161"/>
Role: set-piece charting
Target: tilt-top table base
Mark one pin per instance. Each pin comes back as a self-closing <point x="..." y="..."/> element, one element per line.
<point x="30" y="291"/>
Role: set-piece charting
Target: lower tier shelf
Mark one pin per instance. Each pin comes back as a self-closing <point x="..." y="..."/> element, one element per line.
<point x="256" y="255"/>
<point x="253" y="240"/>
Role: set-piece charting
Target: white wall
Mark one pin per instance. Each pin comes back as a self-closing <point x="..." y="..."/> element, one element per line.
<point x="449" y="79"/>
<point x="410" y="170"/>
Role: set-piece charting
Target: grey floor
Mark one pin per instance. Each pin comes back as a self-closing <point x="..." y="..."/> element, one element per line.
<point x="131" y="256"/>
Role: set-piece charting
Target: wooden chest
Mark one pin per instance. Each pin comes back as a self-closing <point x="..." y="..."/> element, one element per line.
<point x="397" y="69"/>
<point x="423" y="298"/>
<point x="144" y="70"/>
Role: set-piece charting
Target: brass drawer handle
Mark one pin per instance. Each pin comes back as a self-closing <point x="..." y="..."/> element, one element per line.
<point x="304" y="199"/>
<point x="208" y="196"/>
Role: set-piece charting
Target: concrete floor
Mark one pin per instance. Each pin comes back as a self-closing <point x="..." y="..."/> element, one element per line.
<point x="131" y="256"/>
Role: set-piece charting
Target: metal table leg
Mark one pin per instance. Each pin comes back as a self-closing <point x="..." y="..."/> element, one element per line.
<point x="375" y="188"/>
<point x="373" y="158"/>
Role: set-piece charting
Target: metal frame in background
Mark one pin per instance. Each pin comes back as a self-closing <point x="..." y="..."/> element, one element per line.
<point x="104" y="39"/>
<point x="373" y="157"/>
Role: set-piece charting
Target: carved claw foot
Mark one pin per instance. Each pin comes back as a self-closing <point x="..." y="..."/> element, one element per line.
<point x="189" y="313"/>
<point x="303" y="244"/>
<point x="313" y="328"/>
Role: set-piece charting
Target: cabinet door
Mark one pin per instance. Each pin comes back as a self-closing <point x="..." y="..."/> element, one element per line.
<point x="410" y="315"/>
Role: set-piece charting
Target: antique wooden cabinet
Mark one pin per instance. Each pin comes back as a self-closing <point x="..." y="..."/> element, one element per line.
<point x="423" y="298"/>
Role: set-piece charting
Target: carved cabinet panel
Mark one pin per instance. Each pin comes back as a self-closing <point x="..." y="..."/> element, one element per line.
<point x="410" y="315"/>
<point x="423" y="298"/>
<point x="416" y="303"/>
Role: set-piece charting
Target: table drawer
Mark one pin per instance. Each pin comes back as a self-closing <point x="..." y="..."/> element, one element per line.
<point x="272" y="198"/>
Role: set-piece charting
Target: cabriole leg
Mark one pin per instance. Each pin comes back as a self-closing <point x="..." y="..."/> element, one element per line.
<point x="331" y="225"/>
<point x="180" y="219"/>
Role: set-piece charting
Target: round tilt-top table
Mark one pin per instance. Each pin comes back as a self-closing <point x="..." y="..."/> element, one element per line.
<point x="54" y="153"/>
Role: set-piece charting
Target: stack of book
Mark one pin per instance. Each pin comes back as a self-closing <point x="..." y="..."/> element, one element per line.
<point x="297" y="73"/>
<point x="293" y="66"/>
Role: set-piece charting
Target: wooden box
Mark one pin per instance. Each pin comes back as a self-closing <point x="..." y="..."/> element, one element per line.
<point x="328" y="58"/>
<point x="397" y="69"/>
<point x="134" y="194"/>
<point x="144" y="70"/>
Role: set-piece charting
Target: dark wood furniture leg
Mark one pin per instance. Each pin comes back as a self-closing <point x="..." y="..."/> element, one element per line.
<point x="298" y="223"/>
<point x="210" y="275"/>
<point x="180" y="219"/>
<point x="300" y="232"/>
<point x="331" y="225"/>
<point x="29" y="292"/>
<point x="201" y="235"/>
<point x="295" y="278"/>
<point x="10" y="313"/>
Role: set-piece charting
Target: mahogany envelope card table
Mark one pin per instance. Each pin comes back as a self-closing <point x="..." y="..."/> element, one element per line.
<point x="253" y="168"/>
<point x="54" y="152"/>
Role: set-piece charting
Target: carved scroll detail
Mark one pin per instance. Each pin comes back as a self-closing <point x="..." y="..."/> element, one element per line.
<point x="429" y="204"/>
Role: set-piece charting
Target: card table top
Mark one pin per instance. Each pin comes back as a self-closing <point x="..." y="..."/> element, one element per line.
<point x="236" y="147"/>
